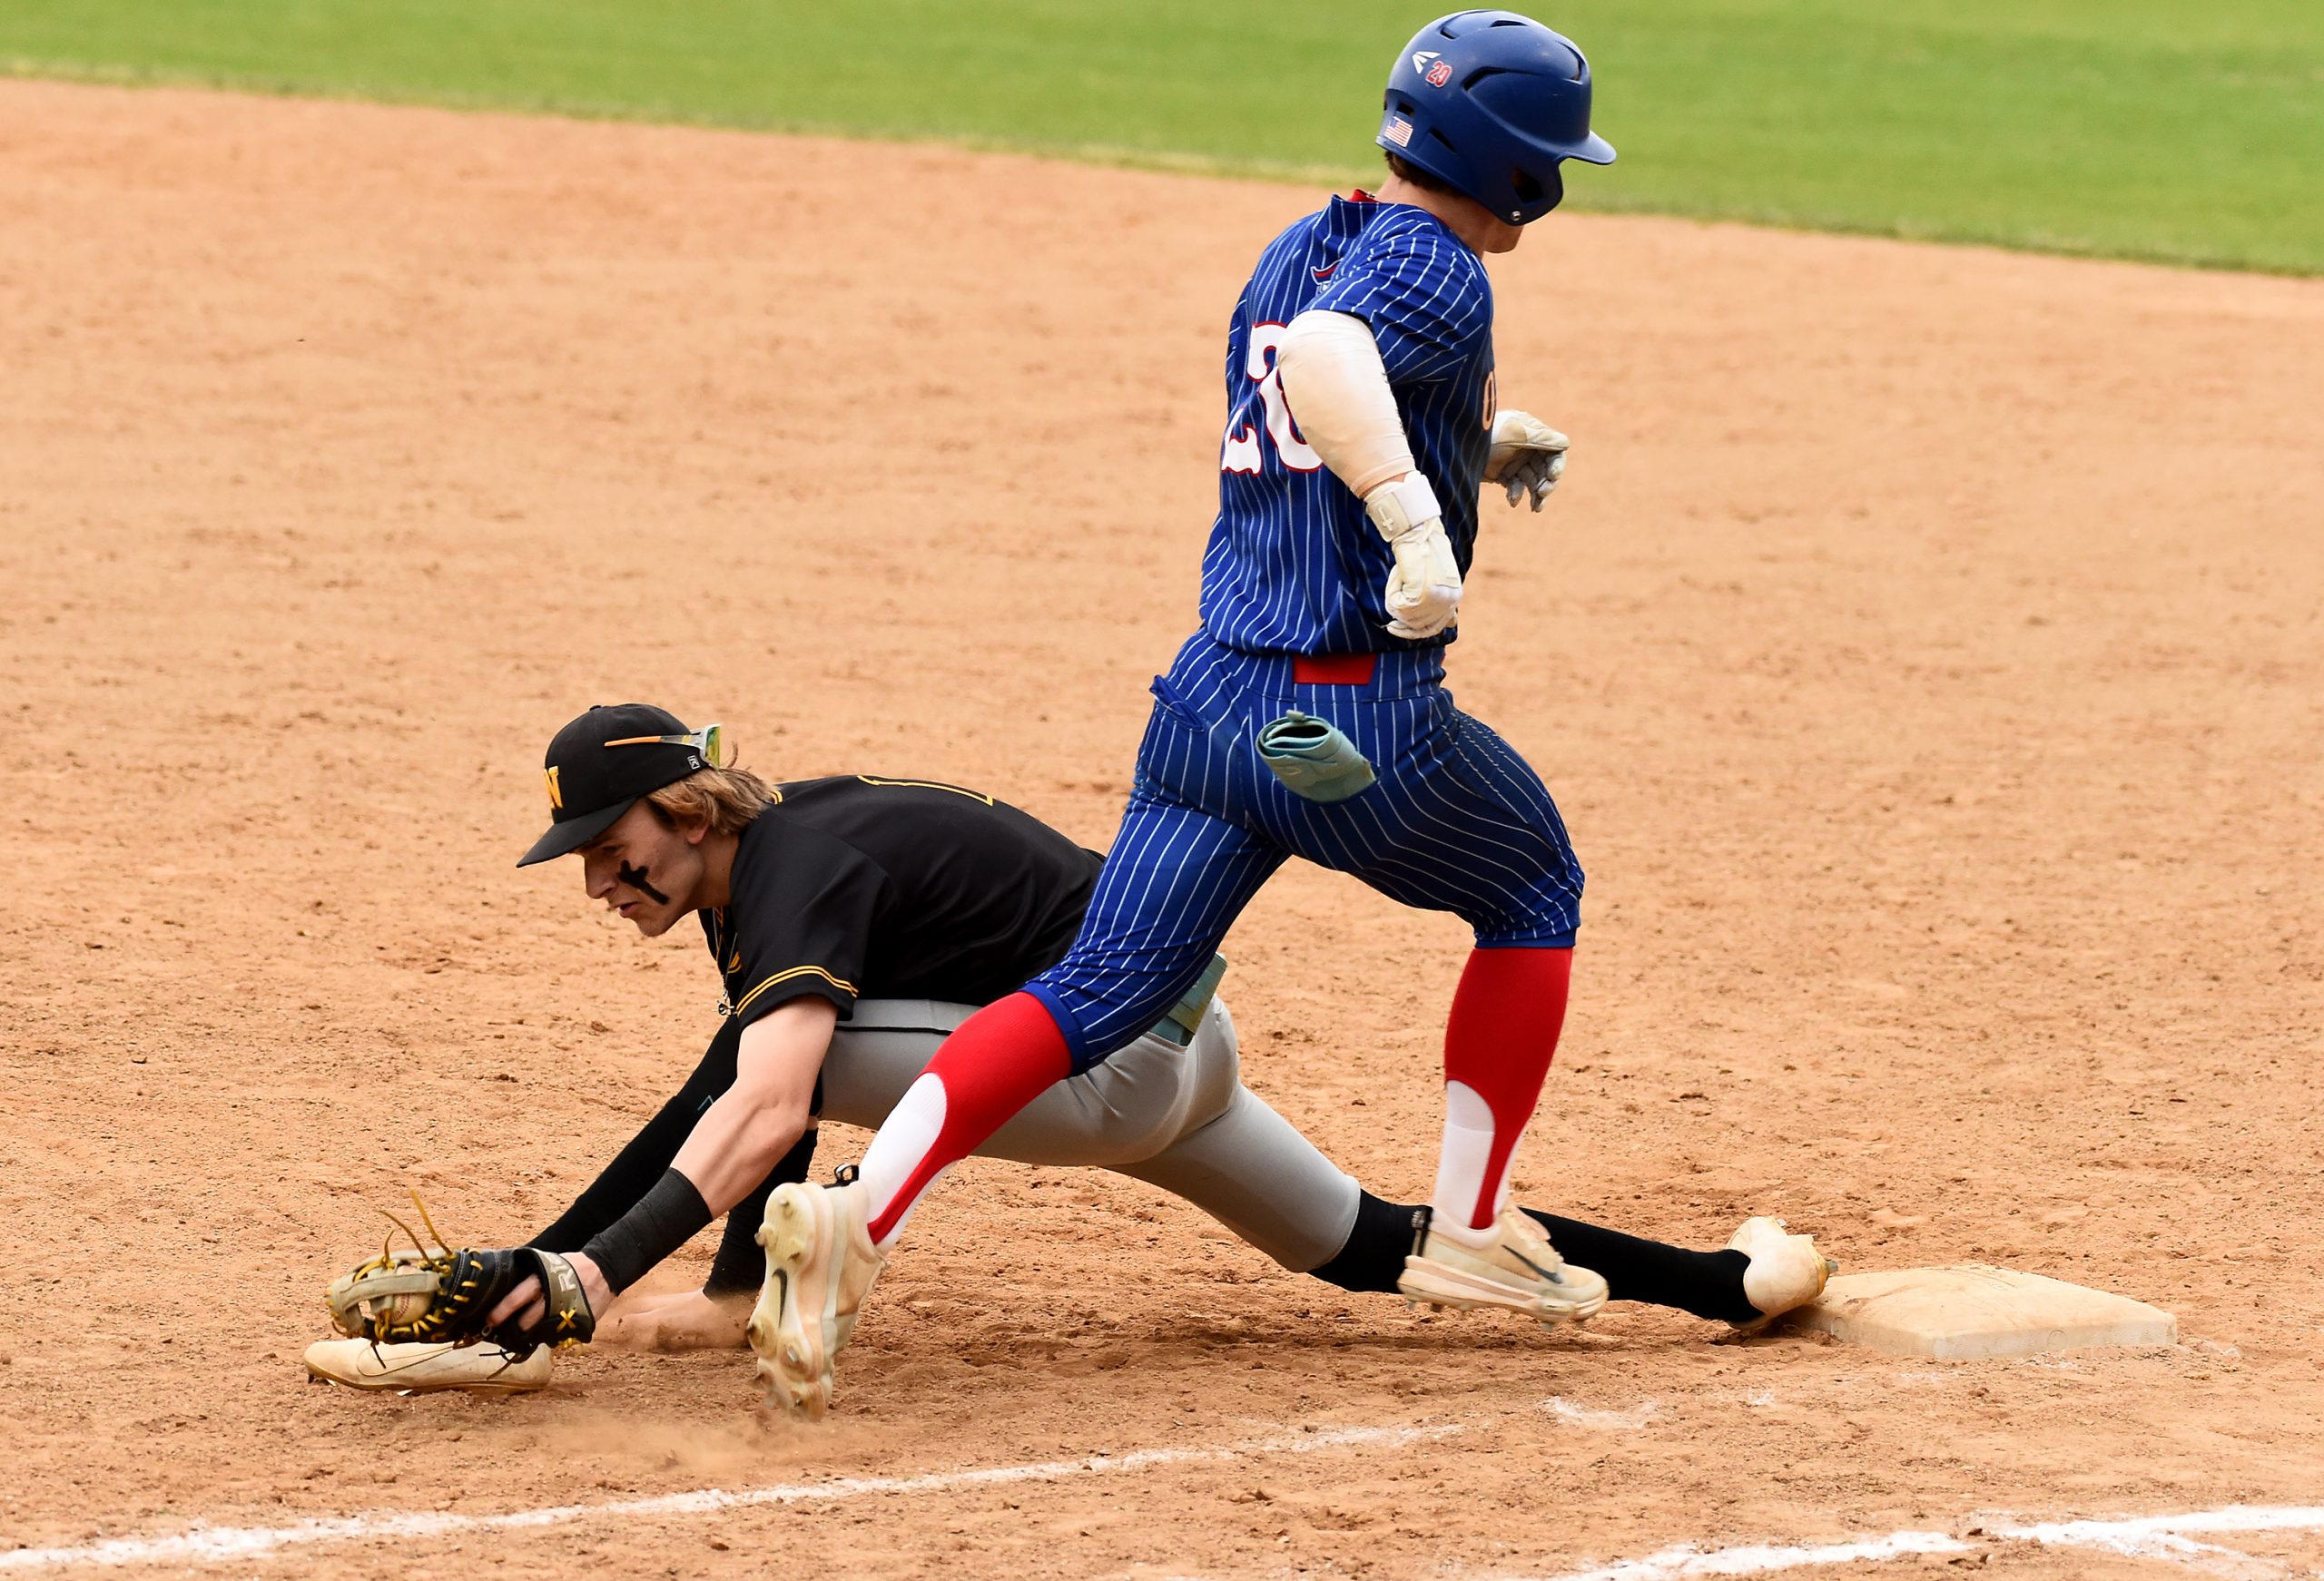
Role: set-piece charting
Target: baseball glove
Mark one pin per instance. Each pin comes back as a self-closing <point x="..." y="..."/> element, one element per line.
<point x="447" y="1297"/>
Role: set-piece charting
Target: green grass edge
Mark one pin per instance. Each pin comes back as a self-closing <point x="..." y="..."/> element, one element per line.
<point x="22" y="68"/>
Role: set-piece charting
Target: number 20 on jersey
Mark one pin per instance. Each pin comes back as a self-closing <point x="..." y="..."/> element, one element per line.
<point x="1240" y="452"/>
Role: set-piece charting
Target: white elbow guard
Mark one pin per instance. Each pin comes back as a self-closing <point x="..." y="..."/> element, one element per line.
<point x="1337" y="389"/>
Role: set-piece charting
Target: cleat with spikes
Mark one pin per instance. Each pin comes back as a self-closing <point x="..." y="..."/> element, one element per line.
<point x="1785" y="1272"/>
<point x="1518" y="1271"/>
<point x="820" y="1263"/>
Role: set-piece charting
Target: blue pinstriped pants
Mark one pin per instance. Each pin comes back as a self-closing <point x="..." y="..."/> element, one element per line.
<point x="1457" y="822"/>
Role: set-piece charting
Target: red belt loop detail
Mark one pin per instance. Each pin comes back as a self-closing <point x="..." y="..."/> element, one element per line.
<point x="1333" y="669"/>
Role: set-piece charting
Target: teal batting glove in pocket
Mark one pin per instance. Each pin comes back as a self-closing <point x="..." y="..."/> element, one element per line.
<point x="1184" y="1018"/>
<point x="1314" y="759"/>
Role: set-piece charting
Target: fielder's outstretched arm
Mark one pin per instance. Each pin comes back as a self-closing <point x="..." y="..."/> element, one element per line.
<point x="738" y="1143"/>
<point x="753" y="1123"/>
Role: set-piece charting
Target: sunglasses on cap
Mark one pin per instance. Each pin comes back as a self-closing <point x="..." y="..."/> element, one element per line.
<point x="710" y="740"/>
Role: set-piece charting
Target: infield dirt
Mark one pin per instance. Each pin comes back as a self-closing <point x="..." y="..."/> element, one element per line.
<point x="1924" y="648"/>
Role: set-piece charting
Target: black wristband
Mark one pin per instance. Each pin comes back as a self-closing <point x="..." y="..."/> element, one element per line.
<point x="665" y="1219"/>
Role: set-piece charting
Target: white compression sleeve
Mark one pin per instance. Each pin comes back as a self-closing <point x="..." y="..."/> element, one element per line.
<point x="1337" y="390"/>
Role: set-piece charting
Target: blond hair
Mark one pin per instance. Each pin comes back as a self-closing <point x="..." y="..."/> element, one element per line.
<point x="722" y="800"/>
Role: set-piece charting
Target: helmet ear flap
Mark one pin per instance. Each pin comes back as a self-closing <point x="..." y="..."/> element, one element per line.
<point x="1531" y="191"/>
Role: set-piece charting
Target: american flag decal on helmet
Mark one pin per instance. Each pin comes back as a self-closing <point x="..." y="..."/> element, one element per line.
<point x="1400" y="131"/>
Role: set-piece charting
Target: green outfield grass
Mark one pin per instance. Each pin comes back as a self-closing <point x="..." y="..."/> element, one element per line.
<point x="2155" y="129"/>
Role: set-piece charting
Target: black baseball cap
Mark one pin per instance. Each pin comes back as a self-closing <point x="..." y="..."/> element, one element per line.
<point x="601" y="763"/>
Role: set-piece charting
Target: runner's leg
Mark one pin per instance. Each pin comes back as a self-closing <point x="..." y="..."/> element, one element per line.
<point x="1181" y="1119"/>
<point x="1172" y="885"/>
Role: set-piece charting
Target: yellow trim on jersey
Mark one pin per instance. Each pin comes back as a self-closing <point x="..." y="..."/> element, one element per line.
<point x="926" y="785"/>
<point x="841" y="983"/>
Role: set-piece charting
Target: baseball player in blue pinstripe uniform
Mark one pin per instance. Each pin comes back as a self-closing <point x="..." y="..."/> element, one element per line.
<point x="1308" y="716"/>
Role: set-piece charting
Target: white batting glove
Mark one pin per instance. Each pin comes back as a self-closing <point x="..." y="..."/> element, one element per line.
<point x="1528" y="457"/>
<point x="1424" y="589"/>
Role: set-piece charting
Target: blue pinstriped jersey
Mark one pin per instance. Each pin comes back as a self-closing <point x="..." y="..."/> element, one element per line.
<point x="1293" y="565"/>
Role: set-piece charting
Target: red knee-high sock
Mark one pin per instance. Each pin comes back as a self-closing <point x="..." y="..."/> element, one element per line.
<point x="998" y="1061"/>
<point x="1498" y="1043"/>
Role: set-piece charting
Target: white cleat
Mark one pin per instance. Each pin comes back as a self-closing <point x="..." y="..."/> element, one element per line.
<point x="820" y="1263"/>
<point x="428" y="1368"/>
<point x="1786" y="1271"/>
<point x="1519" y="1271"/>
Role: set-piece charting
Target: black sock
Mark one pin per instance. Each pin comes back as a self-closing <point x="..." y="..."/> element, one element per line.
<point x="1376" y="1250"/>
<point x="1709" y="1284"/>
<point x="739" y="1264"/>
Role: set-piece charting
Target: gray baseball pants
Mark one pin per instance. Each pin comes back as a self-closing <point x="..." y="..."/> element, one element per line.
<point x="1179" y="1118"/>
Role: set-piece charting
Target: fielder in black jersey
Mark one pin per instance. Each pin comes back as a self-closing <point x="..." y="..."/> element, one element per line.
<point x="857" y="887"/>
<point x="855" y="921"/>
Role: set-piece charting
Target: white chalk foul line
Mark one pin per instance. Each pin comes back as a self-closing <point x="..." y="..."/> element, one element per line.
<point x="2152" y="1536"/>
<point x="208" y="1544"/>
<point x="1759" y="1559"/>
<point x="2167" y="1537"/>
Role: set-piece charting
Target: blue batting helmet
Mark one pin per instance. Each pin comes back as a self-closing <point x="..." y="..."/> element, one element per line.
<point x="1489" y="102"/>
